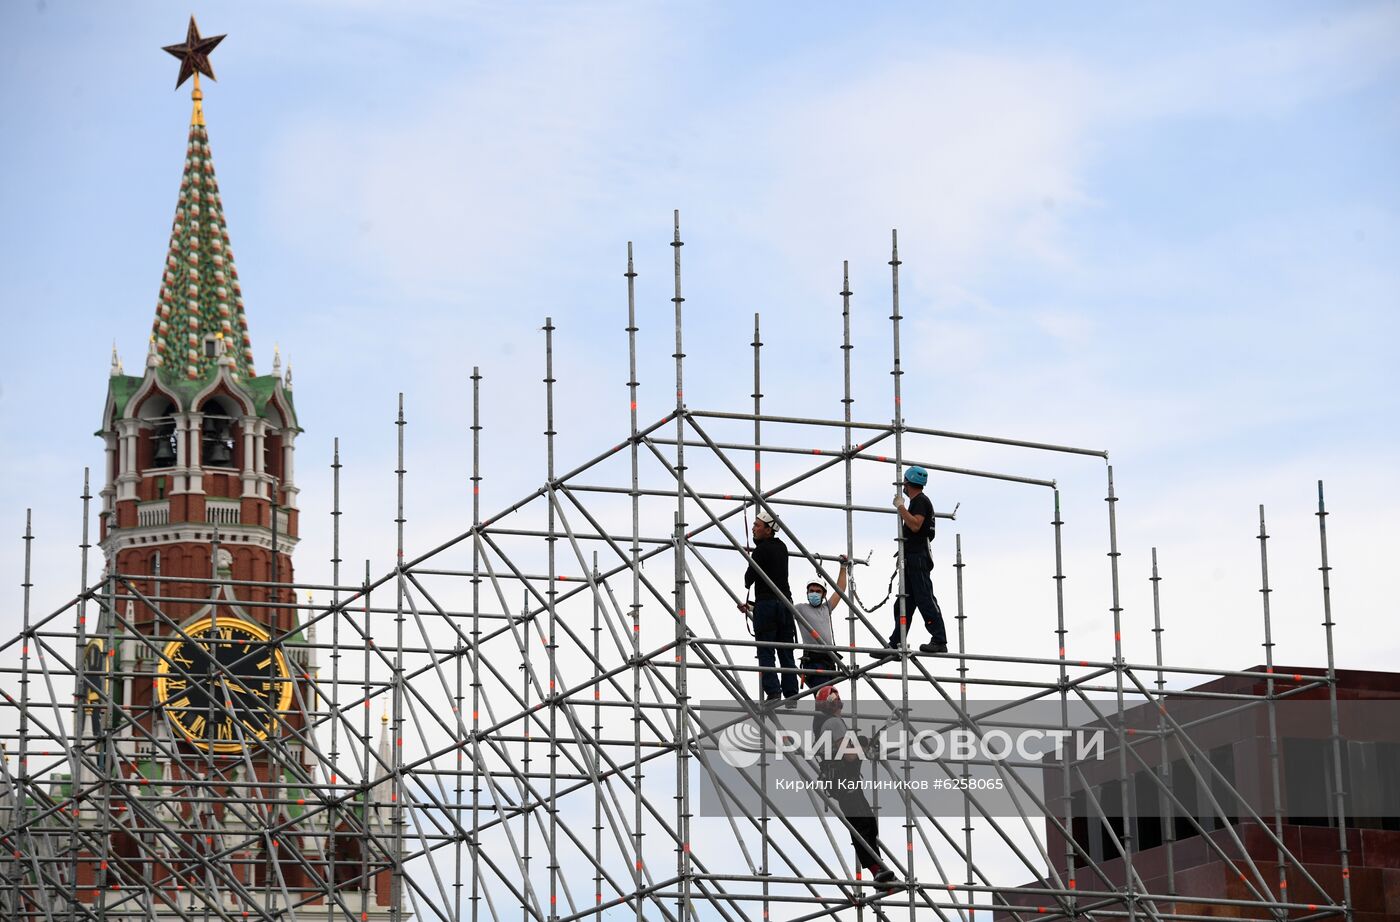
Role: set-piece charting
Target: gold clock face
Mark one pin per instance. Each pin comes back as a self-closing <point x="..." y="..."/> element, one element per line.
<point x="225" y="686"/>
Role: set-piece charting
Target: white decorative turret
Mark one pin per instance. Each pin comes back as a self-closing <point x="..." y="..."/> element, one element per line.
<point x="381" y="795"/>
<point x="116" y="360"/>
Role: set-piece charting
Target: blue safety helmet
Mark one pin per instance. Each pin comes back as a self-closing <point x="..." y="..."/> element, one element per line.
<point x="916" y="475"/>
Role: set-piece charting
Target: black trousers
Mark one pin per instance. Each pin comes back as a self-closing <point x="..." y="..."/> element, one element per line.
<point x="772" y="623"/>
<point x="865" y="829"/>
<point x="918" y="591"/>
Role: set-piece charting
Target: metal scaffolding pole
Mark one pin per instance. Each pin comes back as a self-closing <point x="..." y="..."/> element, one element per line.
<point x="1164" y="770"/>
<point x="682" y="738"/>
<point x="1338" y="778"/>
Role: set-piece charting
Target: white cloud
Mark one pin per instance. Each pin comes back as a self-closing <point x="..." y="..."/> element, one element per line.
<point x="476" y="173"/>
<point x="963" y="152"/>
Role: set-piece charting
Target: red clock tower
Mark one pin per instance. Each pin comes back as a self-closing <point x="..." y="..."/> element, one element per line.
<point x="199" y="678"/>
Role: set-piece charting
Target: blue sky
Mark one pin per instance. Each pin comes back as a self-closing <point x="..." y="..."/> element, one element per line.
<point x="1162" y="230"/>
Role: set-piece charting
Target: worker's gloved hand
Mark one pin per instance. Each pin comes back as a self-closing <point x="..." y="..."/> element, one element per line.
<point x="845" y="561"/>
<point x="899" y="501"/>
<point x="745" y="607"/>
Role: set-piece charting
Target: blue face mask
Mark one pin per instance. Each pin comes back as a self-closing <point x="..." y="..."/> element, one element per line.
<point x="814" y="598"/>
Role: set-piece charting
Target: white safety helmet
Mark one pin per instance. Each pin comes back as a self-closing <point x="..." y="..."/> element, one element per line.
<point x="767" y="519"/>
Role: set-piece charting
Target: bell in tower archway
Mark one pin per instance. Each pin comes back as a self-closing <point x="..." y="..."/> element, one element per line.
<point x="164" y="454"/>
<point x="218" y="443"/>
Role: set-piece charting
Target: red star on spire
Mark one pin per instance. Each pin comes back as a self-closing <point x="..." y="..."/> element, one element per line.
<point x="194" y="54"/>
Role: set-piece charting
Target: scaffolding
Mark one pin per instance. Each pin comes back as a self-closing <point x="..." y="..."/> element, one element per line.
<point x="544" y="688"/>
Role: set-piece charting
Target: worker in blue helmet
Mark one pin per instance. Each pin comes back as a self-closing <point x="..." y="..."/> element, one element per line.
<point x="917" y="531"/>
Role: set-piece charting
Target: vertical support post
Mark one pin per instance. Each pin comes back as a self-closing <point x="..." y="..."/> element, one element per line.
<point x="476" y="645"/>
<point x="211" y="773"/>
<point x="333" y="813"/>
<point x="109" y="772"/>
<point x="848" y="513"/>
<point x="636" y="574"/>
<point x="682" y="632"/>
<point x="962" y="702"/>
<point x="764" y="819"/>
<point x="757" y="412"/>
<point x="1339" y="794"/>
<point x="846" y="402"/>
<point x="396" y="744"/>
<point x="367" y="882"/>
<point x="595" y="749"/>
<point x="1126" y="838"/>
<point x="1061" y="633"/>
<point x="1271" y="708"/>
<point x="897" y="372"/>
<point x="81" y="706"/>
<point x="551" y="597"/>
<point x="1164" y="770"/>
<point x="23" y="796"/>
<point x="459" y="654"/>
<point x="528" y="884"/>
<point x="901" y="596"/>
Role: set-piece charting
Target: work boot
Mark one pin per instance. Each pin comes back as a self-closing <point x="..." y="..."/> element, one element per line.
<point x="884" y="881"/>
<point x="932" y="647"/>
<point x="891" y="650"/>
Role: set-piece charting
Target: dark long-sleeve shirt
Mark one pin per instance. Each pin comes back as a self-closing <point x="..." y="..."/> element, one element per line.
<point x="771" y="556"/>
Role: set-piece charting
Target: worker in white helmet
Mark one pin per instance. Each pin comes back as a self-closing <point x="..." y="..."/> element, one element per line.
<point x="771" y="609"/>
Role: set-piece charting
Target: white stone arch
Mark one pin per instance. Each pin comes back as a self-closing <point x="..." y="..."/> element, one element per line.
<point x="151" y="388"/>
<point x="223" y="386"/>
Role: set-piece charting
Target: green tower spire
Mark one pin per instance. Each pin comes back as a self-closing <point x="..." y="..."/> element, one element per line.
<point x="199" y="316"/>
